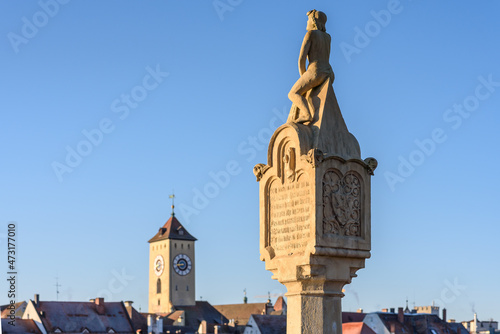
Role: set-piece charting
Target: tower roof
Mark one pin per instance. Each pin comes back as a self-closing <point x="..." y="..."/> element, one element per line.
<point x="172" y="229"/>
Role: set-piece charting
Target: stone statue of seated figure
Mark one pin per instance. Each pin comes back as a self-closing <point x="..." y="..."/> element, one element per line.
<point x="316" y="49"/>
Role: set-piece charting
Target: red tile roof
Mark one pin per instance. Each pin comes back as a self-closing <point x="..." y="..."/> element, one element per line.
<point x="356" y="328"/>
<point x="172" y="229"/>
<point x="280" y="304"/>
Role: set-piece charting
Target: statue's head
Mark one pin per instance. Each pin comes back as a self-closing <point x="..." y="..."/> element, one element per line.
<point x="317" y="20"/>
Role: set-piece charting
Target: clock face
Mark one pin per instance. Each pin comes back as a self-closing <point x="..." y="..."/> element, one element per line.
<point x="159" y="265"/>
<point x="182" y="264"/>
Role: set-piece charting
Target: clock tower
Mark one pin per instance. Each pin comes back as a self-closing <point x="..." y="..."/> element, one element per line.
<point x="171" y="268"/>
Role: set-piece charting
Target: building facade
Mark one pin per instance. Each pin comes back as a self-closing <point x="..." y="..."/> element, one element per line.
<point x="171" y="268"/>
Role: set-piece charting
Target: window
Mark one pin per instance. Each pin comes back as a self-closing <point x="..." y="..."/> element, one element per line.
<point x="189" y="246"/>
<point x="187" y="287"/>
<point x="182" y="246"/>
<point x="158" y="286"/>
<point x="158" y="302"/>
<point x="175" y="245"/>
<point x="176" y="288"/>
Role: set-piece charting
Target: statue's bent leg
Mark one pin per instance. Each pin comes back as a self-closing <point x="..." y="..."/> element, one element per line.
<point x="306" y="82"/>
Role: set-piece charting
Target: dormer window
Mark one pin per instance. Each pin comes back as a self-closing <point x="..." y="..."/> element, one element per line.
<point x="111" y="330"/>
<point x="85" y="331"/>
<point x="57" y="330"/>
<point x="181" y="232"/>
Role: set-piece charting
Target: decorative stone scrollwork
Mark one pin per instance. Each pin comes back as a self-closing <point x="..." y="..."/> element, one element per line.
<point x="342" y="196"/>
<point x="259" y="170"/>
<point x="372" y="164"/>
<point x="314" y="157"/>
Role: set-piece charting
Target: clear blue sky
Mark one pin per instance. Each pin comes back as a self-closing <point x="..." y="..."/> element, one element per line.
<point x="428" y="72"/>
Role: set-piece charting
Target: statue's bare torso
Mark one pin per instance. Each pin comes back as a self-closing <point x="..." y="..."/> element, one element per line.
<point x="316" y="49"/>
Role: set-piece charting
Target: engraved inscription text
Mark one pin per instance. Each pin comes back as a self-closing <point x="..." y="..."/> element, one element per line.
<point x="289" y="216"/>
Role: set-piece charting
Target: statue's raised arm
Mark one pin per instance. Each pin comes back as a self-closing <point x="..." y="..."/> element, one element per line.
<point x="316" y="49"/>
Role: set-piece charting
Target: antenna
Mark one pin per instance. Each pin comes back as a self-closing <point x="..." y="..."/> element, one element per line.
<point x="173" y="206"/>
<point x="57" y="288"/>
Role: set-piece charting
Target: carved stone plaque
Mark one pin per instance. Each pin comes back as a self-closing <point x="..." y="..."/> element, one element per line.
<point x="342" y="196"/>
<point x="290" y="210"/>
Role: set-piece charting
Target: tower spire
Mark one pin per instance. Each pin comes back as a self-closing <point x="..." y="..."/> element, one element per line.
<point x="173" y="206"/>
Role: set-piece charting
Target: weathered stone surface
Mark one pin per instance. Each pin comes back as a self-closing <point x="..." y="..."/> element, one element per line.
<point x="315" y="230"/>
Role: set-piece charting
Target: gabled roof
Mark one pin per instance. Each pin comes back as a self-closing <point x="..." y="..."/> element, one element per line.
<point x="352" y="317"/>
<point x="172" y="318"/>
<point x="22" y="326"/>
<point x="457" y="327"/>
<point x="241" y="312"/>
<point x="19" y="308"/>
<point x="280" y="304"/>
<point x="172" y="229"/>
<point x="415" y="323"/>
<point x="356" y="328"/>
<point x="270" y="324"/>
<point x="76" y="316"/>
<point x="195" y="314"/>
<point x="139" y="321"/>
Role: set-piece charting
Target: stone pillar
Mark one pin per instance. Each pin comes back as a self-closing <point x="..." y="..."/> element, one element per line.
<point x="310" y="305"/>
<point x="315" y="230"/>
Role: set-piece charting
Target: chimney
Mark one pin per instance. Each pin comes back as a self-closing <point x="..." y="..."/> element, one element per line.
<point x="92" y="300"/>
<point x="359" y="310"/>
<point x="36" y="299"/>
<point x="99" y="305"/>
<point x="128" y="307"/>
<point x="401" y="315"/>
<point x="392" y="309"/>
<point x="385" y="310"/>
<point x="444" y="314"/>
<point x="159" y="324"/>
<point x="150" y="323"/>
<point x="203" y="327"/>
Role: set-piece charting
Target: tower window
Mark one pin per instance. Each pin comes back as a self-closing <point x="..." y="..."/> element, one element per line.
<point x="158" y="302"/>
<point x="187" y="287"/>
<point x="175" y="245"/>
<point x="158" y="286"/>
<point x="189" y="246"/>
<point x="182" y="246"/>
<point x="176" y="288"/>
